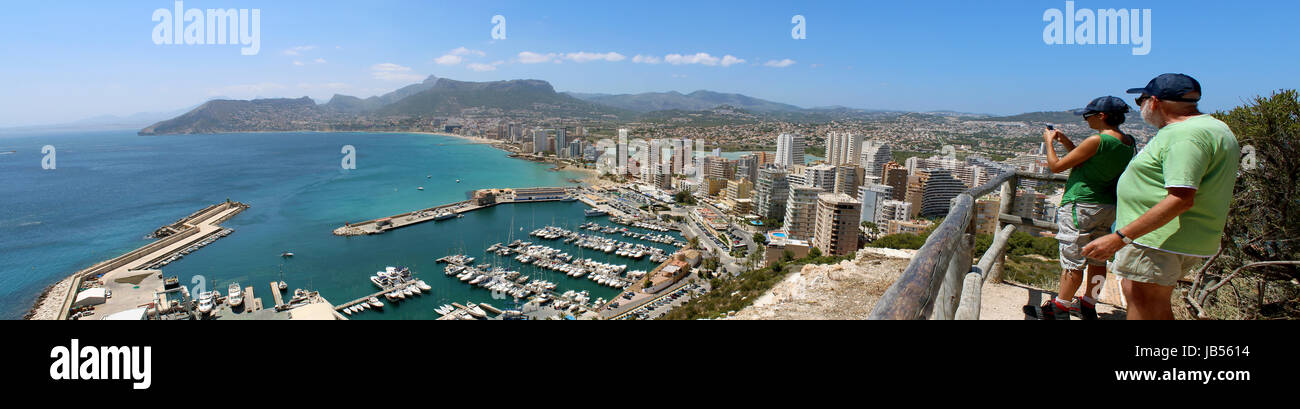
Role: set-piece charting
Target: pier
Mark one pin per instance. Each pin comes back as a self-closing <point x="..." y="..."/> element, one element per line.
<point x="483" y="198"/>
<point x="180" y="238"/>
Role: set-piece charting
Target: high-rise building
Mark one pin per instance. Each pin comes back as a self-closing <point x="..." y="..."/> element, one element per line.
<point x="873" y="197"/>
<point x="772" y="191"/>
<point x="679" y="161"/>
<point x="896" y="178"/>
<point x="747" y="167"/>
<point x="651" y="166"/>
<point x="874" y="156"/>
<point x="789" y="150"/>
<point x="848" y="177"/>
<point x="575" y="149"/>
<point x="801" y="211"/>
<point x="986" y="215"/>
<point x="836" y="228"/>
<point x="539" y="141"/>
<point x="821" y="177"/>
<point x="717" y="167"/>
<point x="738" y="189"/>
<point x="940" y="189"/>
<point x="620" y="152"/>
<point x="560" y="142"/>
<point x="893" y="210"/>
<point x="843" y="148"/>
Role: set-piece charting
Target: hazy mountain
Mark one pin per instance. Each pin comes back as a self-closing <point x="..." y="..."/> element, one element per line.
<point x="673" y="100"/>
<point x="219" y="116"/>
<point x="347" y="103"/>
<point x="450" y="97"/>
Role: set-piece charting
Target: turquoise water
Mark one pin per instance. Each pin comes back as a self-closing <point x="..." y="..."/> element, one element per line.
<point x="110" y="189"/>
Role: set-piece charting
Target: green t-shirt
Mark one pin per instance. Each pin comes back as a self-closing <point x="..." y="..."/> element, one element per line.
<point x="1199" y="153"/>
<point x="1093" y="181"/>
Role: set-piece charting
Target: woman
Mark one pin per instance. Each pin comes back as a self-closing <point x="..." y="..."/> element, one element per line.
<point x="1087" y="208"/>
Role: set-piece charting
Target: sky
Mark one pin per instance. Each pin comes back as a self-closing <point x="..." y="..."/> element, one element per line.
<point x="71" y="60"/>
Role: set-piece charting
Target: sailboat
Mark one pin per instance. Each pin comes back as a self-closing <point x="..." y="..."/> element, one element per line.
<point x="283" y="286"/>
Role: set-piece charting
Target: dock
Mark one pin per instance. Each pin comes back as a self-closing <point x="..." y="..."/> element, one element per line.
<point x="483" y="198"/>
<point x="176" y="240"/>
<point x="275" y="293"/>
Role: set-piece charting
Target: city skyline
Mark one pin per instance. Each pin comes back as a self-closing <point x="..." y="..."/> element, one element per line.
<point x="846" y="59"/>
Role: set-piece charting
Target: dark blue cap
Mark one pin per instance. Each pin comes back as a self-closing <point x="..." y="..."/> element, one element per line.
<point x="1109" y="105"/>
<point x="1171" y="87"/>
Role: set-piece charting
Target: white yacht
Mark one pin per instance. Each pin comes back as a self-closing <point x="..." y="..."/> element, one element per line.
<point x="236" y="295"/>
<point x="423" y="286"/>
<point x="205" y="302"/>
<point x="375" y="303"/>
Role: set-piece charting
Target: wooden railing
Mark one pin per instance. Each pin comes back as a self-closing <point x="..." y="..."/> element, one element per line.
<point x="941" y="282"/>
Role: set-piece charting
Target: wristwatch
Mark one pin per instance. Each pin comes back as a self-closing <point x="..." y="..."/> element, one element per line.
<point x="1123" y="237"/>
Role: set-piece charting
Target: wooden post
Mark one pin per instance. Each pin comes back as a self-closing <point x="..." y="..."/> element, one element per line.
<point x="1006" y="205"/>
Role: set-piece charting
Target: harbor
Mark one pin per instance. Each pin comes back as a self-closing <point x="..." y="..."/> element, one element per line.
<point x="173" y="242"/>
<point x="482" y="198"/>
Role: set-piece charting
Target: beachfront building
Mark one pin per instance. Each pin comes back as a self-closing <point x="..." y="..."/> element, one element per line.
<point x="893" y="210"/>
<point x="561" y="143"/>
<point x="836" y="228"/>
<point x="801" y="211"/>
<point x="820" y="176"/>
<point x="539" y="141"/>
<point x="772" y="190"/>
<point x="620" y="152"/>
<point x="789" y="150"/>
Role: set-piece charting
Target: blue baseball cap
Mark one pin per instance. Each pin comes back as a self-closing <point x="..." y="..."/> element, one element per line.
<point x="1107" y="104"/>
<point x="1171" y="87"/>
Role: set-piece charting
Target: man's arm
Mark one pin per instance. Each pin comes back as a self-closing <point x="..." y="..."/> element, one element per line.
<point x="1176" y="203"/>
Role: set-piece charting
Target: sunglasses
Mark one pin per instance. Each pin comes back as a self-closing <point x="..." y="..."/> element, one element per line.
<point x="1142" y="99"/>
<point x="1086" y="116"/>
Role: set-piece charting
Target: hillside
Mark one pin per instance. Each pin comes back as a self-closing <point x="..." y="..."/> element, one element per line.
<point x="219" y="116"/>
<point x="450" y="97"/>
<point x="673" y="100"/>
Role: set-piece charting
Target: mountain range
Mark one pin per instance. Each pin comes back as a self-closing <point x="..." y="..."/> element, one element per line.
<point x="417" y="106"/>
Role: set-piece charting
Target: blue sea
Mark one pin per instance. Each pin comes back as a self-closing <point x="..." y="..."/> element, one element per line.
<point x="110" y="189"/>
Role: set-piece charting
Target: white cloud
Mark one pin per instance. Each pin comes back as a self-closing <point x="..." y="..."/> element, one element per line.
<point x="295" y="51"/>
<point x="702" y="59"/>
<point x="583" y="56"/>
<point x="697" y="58"/>
<point x="728" y="61"/>
<point x="393" y="72"/>
<point x="529" y="57"/>
<point x="319" y="61"/>
<point x="779" y="64"/>
<point x="646" y="59"/>
<point x="448" y="59"/>
<point x="298" y="63"/>
<point x="480" y="67"/>
<point x="462" y="51"/>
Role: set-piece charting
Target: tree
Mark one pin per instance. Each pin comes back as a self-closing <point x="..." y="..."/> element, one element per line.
<point x="694" y="242"/>
<point x="814" y="252"/>
<point x="759" y="239"/>
<point x="1264" y="217"/>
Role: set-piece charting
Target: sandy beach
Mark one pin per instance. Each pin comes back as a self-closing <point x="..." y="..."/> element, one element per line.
<point x="590" y="177"/>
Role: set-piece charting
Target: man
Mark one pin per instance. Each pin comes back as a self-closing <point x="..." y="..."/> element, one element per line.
<point x="1087" y="208"/>
<point x="1172" y="199"/>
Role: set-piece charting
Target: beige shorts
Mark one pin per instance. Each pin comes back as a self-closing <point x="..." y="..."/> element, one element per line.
<point x="1079" y="224"/>
<point x="1154" y="266"/>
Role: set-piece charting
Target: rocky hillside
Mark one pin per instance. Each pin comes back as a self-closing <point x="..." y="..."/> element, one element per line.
<point x="844" y="291"/>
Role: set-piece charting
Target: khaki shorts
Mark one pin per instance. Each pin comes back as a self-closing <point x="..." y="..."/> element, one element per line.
<point x="1079" y="224"/>
<point x="1154" y="266"/>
